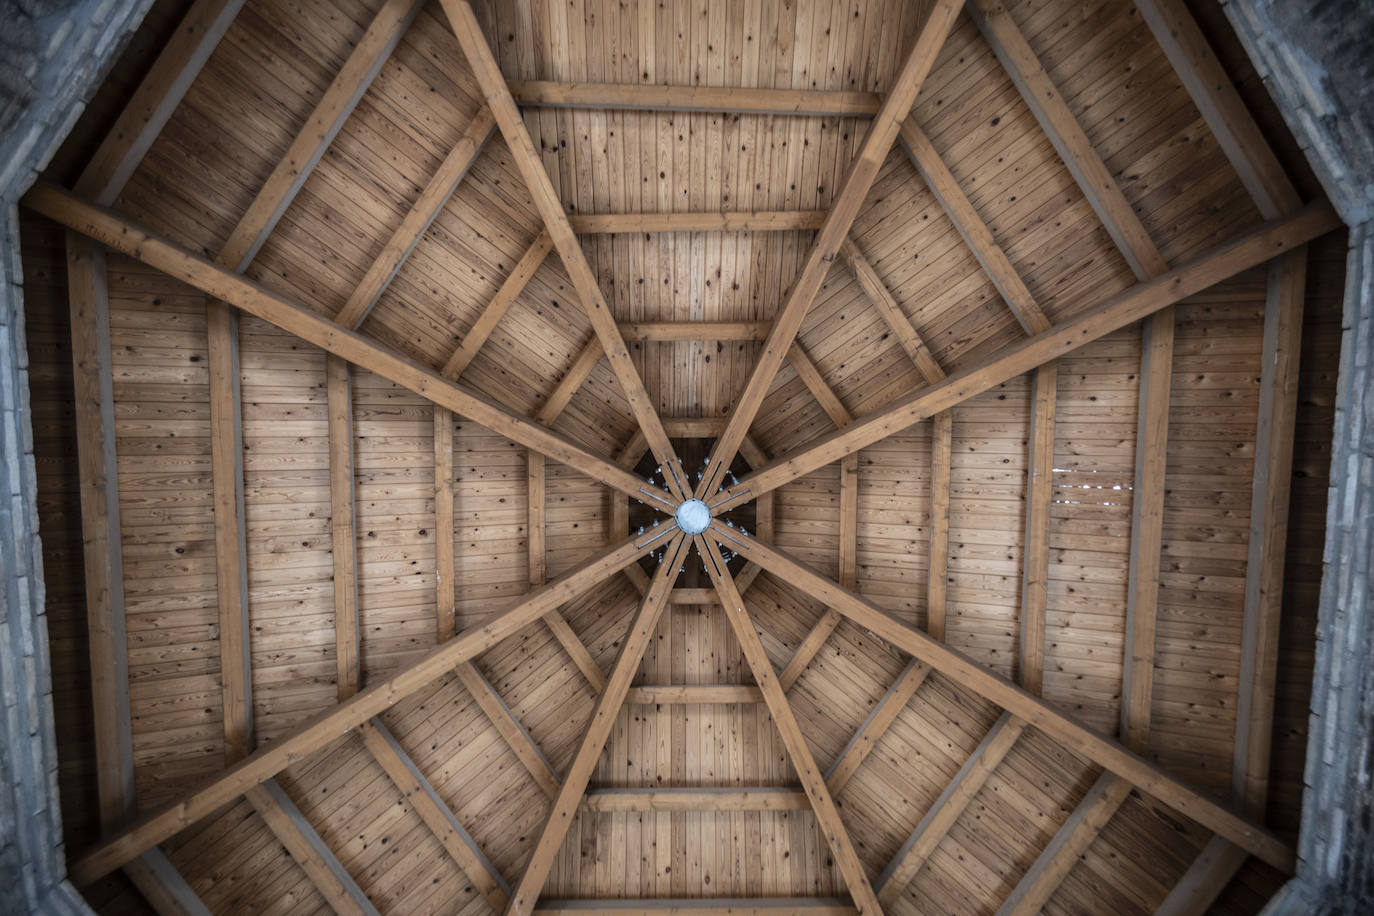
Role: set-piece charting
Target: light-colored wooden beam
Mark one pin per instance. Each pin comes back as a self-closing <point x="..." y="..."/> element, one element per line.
<point x="695" y="330"/>
<point x="329" y="725"/>
<point x="947" y="808"/>
<point x="892" y="313"/>
<point x="685" y="694"/>
<point x="548" y="94"/>
<point x="709" y="221"/>
<point x="1139" y="301"/>
<point x="496" y="309"/>
<point x="489" y="78"/>
<point x="608" y="705"/>
<point x="974" y="231"/>
<point x="163" y="886"/>
<point x="534" y="518"/>
<point x="875" y="726"/>
<point x="1204" y="880"/>
<point x="1035" y="572"/>
<point x="157" y="96"/>
<point x="341" y="525"/>
<point x="812" y="780"/>
<point x="729" y="798"/>
<point x="509" y="727"/>
<point x="1070" y="841"/>
<point x="715" y="906"/>
<point x="844" y="208"/>
<point x="120" y="234"/>
<point x="309" y="851"/>
<point x="417" y="220"/>
<point x="445" y="574"/>
<point x="437" y="815"/>
<point x="1081" y="739"/>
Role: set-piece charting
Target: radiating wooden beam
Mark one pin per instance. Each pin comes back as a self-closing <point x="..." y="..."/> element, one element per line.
<point x="548" y="94"/>
<point x="341" y="525"/>
<point x="329" y="725"/>
<point x="509" y="727"/>
<point x="489" y="78"/>
<point x="685" y="694"/>
<point x="603" y="719"/>
<point x="157" y="96"/>
<point x="120" y="234"/>
<point x="729" y="798"/>
<point x="947" y="808"/>
<point x="1035" y="572"/>
<point x="1079" y="738"/>
<point x="496" y="309"/>
<point x="714" y="906"/>
<point x="709" y="221"/>
<point x="844" y="208"/>
<point x="417" y="220"/>
<point x="309" y="851"/>
<point x="1070" y="842"/>
<point x="437" y="815"/>
<point x="875" y="726"/>
<point x="812" y="780"/>
<point x="1131" y="305"/>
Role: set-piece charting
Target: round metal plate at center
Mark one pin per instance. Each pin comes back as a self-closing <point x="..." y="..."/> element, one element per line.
<point x="693" y="516"/>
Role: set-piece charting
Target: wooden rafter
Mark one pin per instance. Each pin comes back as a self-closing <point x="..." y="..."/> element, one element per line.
<point x="713" y="221"/>
<point x="969" y="674"/>
<point x="875" y="726"/>
<point x="844" y="209"/>
<point x="812" y="779"/>
<point x="549" y="94"/>
<point x="734" y="906"/>
<point x="948" y="806"/>
<point x="496" y="309"/>
<point x="175" y="260"/>
<point x="493" y="85"/>
<point x="339" y="404"/>
<point x="728" y="798"/>
<point x="315" y="733"/>
<point x="1252" y="248"/>
<point x="603" y="718"/>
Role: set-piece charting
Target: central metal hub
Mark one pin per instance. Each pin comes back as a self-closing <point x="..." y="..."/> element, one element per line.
<point x="693" y="516"/>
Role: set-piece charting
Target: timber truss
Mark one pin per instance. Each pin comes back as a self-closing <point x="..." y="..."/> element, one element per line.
<point x="132" y="843"/>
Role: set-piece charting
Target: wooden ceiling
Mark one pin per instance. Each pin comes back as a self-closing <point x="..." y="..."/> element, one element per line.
<point x="350" y="320"/>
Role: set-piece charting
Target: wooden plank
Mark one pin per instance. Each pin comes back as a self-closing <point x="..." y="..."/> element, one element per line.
<point x="1035" y="571"/>
<point x="309" y="144"/>
<point x="1204" y="880"/>
<point x="577" y="649"/>
<point x="93" y="412"/>
<point x="163" y="886"/>
<point x="509" y="727"/>
<point x="118" y="233"/>
<point x="693" y="596"/>
<point x="715" y="906"/>
<point x="1124" y="308"/>
<point x="496" y="309"/>
<point x="231" y="553"/>
<point x="974" y="231"/>
<point x="508" y="118"/>
<point x="810" y="645"/>
<point x="567" y="386"/>
<point x="1082" y="740"/>
<point x="437" y="815"/>
<point x="941" y="455"/>
<point x="729" y="798"/>
<point x="1070" y="841"/>
<point x="417" y="220"/>
<point x="695" y="330"/>
<point x="157" y="96"/>
<point x="329" y="725"/>
<point x="686" y="694"/>
<point x="709" y="221"/>
<point x="603" y="719"/>
<point x="812" y="780"/>
<point x="844" y="209"/>
<point x="290" y="826"/>
<point x="815" y="383"/>
<point x="948" y="807"/>
<point x="875" y="726"/>
<point x="445" y="576"/>
<point x="348" y="661"/>
<point x="892" y="313"/>
<point x="548" y="94"/>
<point x="534" y="525"/>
